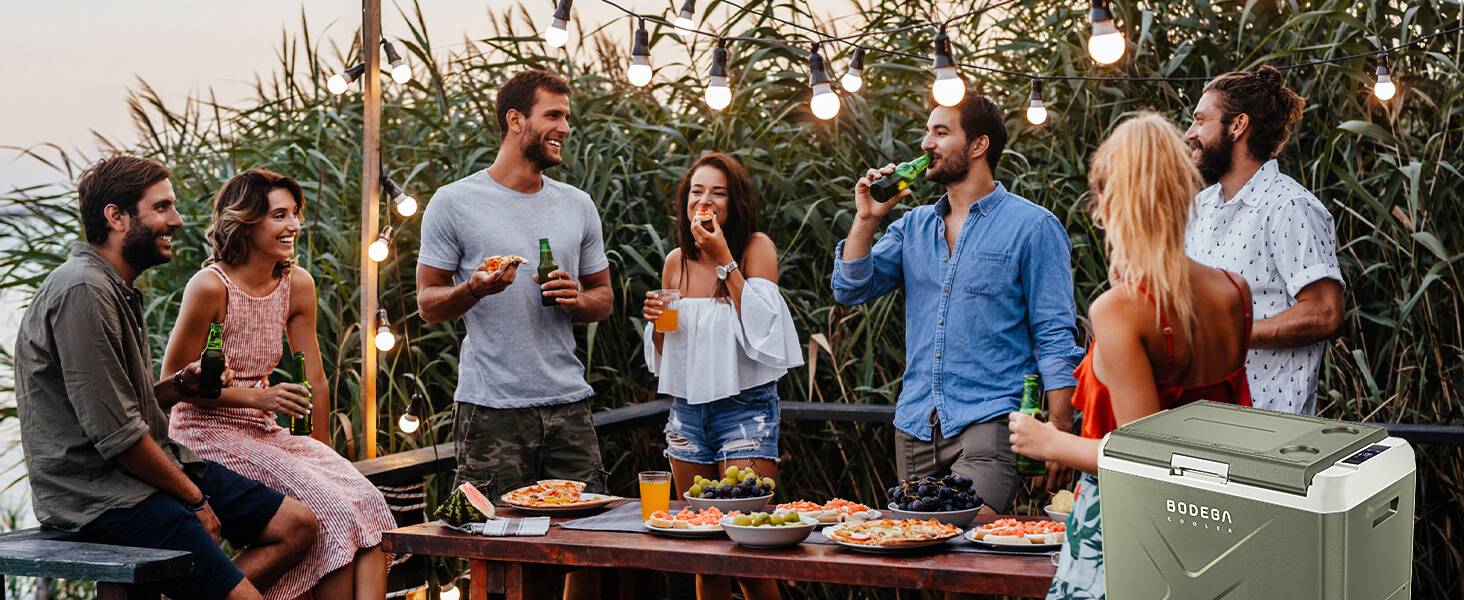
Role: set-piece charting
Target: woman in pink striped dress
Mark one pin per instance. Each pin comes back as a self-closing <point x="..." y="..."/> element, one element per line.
<point x="254" y="289"/>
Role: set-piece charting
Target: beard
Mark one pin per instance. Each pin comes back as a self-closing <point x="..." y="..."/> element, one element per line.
<point x="140" y="246"/>
<point x="1215" y="158"/>
<point x="952" y="168"/>
<point x="536" y="150"/>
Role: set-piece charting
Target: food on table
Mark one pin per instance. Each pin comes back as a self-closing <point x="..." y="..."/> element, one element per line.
<point x="465" y="505"/>
<point x="762" y="519"/>
<point x="1062" y="501"/>
<point x="929" y="494"/>
<point x="737" y="482"/>
<point x="1012" y="531"/>
<point x="707" y="518"/>
<point x="892" y="533"/>
<point x="499" y="263"/>
<point x="833" y="511"/>
<point x="553" y="493"/>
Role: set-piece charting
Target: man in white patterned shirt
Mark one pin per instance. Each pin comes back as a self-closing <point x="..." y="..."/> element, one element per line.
<point x="1256" y="221"/>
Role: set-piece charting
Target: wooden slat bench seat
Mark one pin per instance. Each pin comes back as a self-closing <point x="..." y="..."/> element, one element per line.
<point x="120" y="571"/>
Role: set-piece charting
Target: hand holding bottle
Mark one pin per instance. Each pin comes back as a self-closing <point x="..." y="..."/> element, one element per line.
<point x="288" y="398"/>
<point x="866" y="207"/>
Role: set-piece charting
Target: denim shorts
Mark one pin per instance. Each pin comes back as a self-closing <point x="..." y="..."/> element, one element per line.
<point x="740" y="427"/>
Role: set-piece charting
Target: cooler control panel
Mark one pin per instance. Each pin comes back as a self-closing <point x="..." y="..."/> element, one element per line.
<point x="1364" y="454"/>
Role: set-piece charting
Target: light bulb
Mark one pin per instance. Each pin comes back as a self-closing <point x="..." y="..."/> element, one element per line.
<point x="336" y="84"/>
<point x="1384" y="89"/>
<point x="948" y="89"/>
<point x="718" y="95"/>
<point x="556" y="36"/>
<point x="409" y="423"/>
<point x="684" y="23"/>
<point x="400" y="72"/>
<point x="378" y="250"/>
<point x="449" y="592"/>
<point x="825" y="103"/>
<point x="406" y="206"/>
<point x="852" y="81"/>
<point x="1036" y="110"/>
<point x="1106" y="45"/>
<point x="385" y="339"/>
<point x="639" y="73"/>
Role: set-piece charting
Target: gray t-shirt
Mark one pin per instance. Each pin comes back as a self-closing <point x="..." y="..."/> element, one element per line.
<point x="517" y="352"/>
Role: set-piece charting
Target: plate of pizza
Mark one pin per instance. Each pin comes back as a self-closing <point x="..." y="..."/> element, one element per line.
<point x="890" y="535"/>
<point x="706" y="522"/>
<point x="837" y="510"/>
<point x="1020" y="536"/>
<point x="556" y="496"/>
<point x="499" y="263"/>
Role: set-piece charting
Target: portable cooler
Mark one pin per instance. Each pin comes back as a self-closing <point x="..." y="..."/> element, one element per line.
<point x="1214" y="501"/>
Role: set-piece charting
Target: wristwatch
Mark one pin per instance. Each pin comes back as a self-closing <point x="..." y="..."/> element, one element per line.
<point x="200" y="505"/>
<point x="723" y="271"/>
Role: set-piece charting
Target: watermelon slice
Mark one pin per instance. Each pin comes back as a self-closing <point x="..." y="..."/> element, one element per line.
<point x="465" y="505"/>
<point x="477" y="500"/>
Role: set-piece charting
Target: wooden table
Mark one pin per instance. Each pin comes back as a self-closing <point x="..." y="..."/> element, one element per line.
<point x="498" y="562"/>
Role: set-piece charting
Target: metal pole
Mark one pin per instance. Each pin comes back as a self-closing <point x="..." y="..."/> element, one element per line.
<point x="370" y="208"/>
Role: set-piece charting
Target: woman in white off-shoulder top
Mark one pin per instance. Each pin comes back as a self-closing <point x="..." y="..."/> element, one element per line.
<point x="734" y="340"/>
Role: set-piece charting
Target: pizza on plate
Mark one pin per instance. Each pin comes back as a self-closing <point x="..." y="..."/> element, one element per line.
<point x="552" y="493"/>
<point x="893" y="533"/>
<point x="1012" y="531"/>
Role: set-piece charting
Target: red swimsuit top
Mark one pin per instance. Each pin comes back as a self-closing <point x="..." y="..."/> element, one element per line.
<point x="1093" y="399"/>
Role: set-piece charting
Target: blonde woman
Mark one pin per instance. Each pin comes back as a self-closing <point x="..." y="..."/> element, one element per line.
<point x="1151" y="350"/>
<point x="254" y="289"/>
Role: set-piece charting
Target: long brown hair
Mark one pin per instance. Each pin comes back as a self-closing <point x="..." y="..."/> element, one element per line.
<point x="1273" y="108"/>
<point x="1143" y="182"/>
<point x="741" y="209"/>
<point x="244" y="201"/>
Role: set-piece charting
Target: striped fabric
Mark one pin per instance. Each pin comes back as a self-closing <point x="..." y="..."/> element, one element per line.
<point x="351" y="511"/>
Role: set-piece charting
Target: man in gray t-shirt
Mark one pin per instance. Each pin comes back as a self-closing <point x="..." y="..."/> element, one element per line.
<point x="521" y="411"/>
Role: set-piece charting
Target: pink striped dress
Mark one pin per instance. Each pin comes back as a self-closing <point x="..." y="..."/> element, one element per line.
<point x="351" y="511"/>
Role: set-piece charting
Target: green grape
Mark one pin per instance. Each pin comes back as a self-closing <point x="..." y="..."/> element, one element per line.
<point x="768" y="481"/>
<point x="695" y="491"/>
<point x="698" y="479"/>
<point x="742" y="521"/>
<point x="776" y="520"/>
<point x="748" y="476"/>
<point x="732" y="471"/>
<point x="729" y="482"/>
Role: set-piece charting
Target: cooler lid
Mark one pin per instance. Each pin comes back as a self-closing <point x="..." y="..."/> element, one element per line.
<point x="1256" y="447"/>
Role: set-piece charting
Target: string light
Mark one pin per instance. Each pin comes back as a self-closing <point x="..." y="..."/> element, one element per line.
<point x="385" y="339"/>
<point x="1036" y="110"/>
<point x="639" y="72"/>
<point x="1106" y="45"/>
<point x="1384" y="88"/>
<point x="338" y="83"/>
<point x="405" y="205"/>
<point x="410" y="421"/>
<point x="446" y="583"/>
<point x="825" y="102"/>
<point x="718" y="95"/>
<point x="400" y="72"/>
<point x="379" y="249"/>
<point x="949" y="89"/>
<point x="557" y="35"/>
<point x="854" y="77"/>
<point x="684" y="22"/>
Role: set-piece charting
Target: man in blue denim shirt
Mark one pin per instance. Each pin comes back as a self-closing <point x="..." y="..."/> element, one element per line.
<point x="988" y="298"/>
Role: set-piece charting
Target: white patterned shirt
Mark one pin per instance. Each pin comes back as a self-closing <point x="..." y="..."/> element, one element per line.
<point x="1278" y="236"/>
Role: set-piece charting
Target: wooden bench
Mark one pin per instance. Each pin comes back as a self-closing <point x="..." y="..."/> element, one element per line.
<point x="121" y="572"/>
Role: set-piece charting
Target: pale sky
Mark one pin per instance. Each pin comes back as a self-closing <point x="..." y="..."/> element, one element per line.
<point x="67" y="64"/>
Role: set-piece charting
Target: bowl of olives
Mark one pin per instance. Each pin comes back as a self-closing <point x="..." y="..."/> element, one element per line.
<point x="948" y="499"/>
<point x="764" y="530"/>
<point x="740" y="489"/>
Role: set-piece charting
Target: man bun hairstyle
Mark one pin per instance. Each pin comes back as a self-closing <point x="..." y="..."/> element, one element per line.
<point x="1274" y="109"/>
<point x="520" y="91"/>
<point x="119" y="180"/>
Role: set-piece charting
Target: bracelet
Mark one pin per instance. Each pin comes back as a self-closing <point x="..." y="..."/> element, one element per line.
<point x="200" y="505"/>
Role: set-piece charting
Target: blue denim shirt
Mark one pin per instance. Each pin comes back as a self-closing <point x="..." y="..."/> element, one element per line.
<point x="977" y="319"/>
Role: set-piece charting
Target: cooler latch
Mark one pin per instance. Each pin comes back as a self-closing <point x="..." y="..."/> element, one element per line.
<point x="1190" y="466"/>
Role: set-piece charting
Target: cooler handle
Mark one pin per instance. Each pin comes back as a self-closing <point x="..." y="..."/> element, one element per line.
<point x="1382" y="511"/>
<point x="1180" y="464"/>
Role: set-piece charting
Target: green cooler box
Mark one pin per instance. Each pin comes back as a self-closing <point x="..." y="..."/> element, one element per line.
<point x="1214" y="501"/>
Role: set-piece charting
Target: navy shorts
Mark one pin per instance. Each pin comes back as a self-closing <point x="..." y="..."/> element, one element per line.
<point x="244" y="507"/>
<point x="736" y="428"/>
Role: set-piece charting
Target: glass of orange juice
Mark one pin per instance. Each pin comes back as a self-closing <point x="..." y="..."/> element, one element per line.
<point x="670" y="318"/>
<point x="655" y="493"/>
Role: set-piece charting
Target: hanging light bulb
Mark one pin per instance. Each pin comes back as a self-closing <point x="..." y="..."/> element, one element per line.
<point x="825" y="103"/>
<point x="338" y="83"/>
<point x="684" y="23"/>
<point x="379" y="249"/>
<point x="854" y="77"/>
<point x="1106" y="45"/>
<point x="718" y="95"/>
<point x="446" y="583"/>
<point x="400" y="72"/>
<point x="385" y="339"/>
<point x="949" y="89"/>
<point x="405" y="205"/>
<point x="557" y="35"/>
<point x="1384" y="88"/>
<point x="410" y="421"/>
<point x="1036" y="111"/>
<point x="639" y="72"/>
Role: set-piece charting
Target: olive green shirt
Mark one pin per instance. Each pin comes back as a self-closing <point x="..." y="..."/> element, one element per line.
<point x="83" y="387"/>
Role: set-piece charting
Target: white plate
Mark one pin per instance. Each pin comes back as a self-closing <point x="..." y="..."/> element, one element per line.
<point x="883" y="549"/>
<point x="686" y="532"/>
<point x="1011" y="547"/>
<point x="596" y="501"/>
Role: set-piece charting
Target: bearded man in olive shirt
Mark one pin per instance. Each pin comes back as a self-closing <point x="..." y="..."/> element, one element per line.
<point x="94" y="432"/>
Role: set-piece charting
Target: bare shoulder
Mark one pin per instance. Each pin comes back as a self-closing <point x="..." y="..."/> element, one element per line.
<point x="206" y="286"/>
<point x="301" y="280"/>
<point x="1121" y="304"/>
<point x="760" y="245"/>
<point x="674" y="256"/>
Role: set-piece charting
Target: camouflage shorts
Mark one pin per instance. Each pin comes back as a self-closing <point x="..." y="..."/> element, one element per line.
<point x="500" y="449"/>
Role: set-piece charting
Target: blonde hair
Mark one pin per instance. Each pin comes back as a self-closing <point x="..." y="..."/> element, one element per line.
<point x="1143" y="182"/>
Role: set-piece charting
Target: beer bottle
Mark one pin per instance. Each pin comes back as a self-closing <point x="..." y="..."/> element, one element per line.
<point x="546" y="266"/>
<point x="885" y="188"/>
<point x="1031" y="406"/>
<point x="211" y="363"/>
<point x="300" y="425"/>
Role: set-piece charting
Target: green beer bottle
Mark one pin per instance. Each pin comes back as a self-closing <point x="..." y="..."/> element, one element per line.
<point x="1031" y="406"/>
<point x="546" y="266"/>
<point x="300" y="425"/>
<point x="888" y="186"/>
<point x="211" y="363"/>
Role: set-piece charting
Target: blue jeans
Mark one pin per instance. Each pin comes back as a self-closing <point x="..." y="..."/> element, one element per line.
<point x="740" y="427"/>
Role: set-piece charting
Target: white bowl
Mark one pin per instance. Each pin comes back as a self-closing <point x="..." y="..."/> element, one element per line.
<point x="1060" y="517"/>
<point x="768" y="536"/>
<point x="744" y="505"/>
<point x="959" y="518"/>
